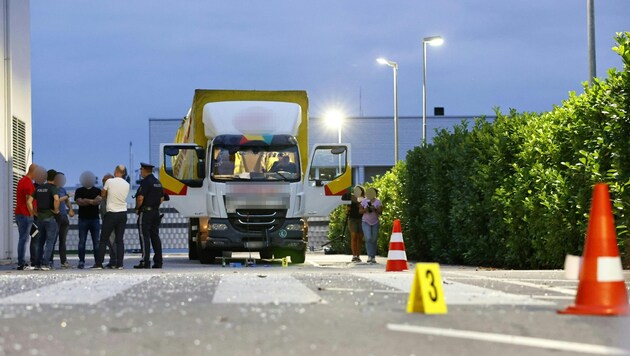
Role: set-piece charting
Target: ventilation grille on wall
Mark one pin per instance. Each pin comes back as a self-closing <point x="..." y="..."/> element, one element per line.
<point x="18" y="144"/>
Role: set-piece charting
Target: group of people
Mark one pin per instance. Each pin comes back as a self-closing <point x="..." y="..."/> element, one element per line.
<point x="43" y="209"/>
<point x="364" y="213"/>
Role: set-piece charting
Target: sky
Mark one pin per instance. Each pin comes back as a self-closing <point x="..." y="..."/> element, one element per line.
<point x="101" y="69"/>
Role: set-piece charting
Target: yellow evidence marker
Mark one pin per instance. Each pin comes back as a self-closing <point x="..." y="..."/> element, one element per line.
<point x="427" y="295"/>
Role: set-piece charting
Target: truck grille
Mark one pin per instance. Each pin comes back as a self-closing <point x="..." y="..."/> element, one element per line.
<point x="257" y="220"/>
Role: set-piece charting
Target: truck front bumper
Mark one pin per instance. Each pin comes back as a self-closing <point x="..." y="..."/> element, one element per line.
<point x="225" y="237"/>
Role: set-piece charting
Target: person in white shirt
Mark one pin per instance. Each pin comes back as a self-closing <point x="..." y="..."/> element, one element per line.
<point x="115" y="191"/>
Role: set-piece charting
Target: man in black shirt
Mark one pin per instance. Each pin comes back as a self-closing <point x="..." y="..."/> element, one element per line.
<point x="47" y="197"/>
<point x="88" y="197"/>
<point x="148" y="199"/>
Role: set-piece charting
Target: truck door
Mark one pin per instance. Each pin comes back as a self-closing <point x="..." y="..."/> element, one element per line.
<point x="328" y="179"/>
<point x="182" y="174"/>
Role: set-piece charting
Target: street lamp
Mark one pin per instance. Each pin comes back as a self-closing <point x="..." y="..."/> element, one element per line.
<point x="433" y="41"/>
<point x="334" y="118"/>
<point x="394" y="66"/>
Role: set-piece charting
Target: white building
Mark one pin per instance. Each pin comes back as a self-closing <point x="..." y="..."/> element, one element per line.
<point x="15" y="108"/>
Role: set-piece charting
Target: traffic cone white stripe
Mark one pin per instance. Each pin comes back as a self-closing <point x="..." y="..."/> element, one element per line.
<point x="609" y="269"/>
<point x="396" y="255"/>
<point x="396" y="237"/>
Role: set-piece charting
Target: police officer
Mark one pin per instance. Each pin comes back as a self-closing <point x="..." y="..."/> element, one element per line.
<point x="148" y="199"/>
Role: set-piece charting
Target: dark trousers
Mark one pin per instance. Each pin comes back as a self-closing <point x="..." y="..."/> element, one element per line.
<point x="34" y="245"/>
<point x="149" y="229"/>
<point x="116" y="223"/>
<point x="64" y="225"/>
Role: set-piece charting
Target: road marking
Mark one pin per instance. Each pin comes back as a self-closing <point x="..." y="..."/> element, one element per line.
<point x="89" y="290"/>
<point x="456" y="293"/>
<point x="272" y="289"/>
<point x="518" y="283"/>
<point x="511" y="340"/>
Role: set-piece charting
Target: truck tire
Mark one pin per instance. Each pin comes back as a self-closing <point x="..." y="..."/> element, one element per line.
<point x="206" y="256"/>
<point x="266" y="254"/>
<point x="193" y="253"/>
<point x="297" y="257"/>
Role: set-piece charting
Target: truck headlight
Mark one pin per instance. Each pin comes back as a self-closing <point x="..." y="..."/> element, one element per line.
<point x="294" y="227"/>
<point x="218" y="227"/>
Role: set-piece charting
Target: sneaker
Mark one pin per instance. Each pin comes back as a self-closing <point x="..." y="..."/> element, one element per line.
<point x="371" y="260"/>
<point x="119" y="267"/>
<point x="97" y="267"/>
<point x="66" y="265"/>
<point x="157" y="266"/>
<point x="29" y="268"/>
<point x="81" y="265"/>
<point x="45" y="268"/>
<point x="37" y="268"/>
<point x="20" y="268"/>
<point x="109" y="266"/>
<point x="140" y="266"/>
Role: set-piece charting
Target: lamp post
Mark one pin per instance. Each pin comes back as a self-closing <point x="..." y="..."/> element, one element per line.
<point x="394" y="66"/>
<point x="334" y="118"/>
<point x="590" y="24"/>
<point x="433" y="41"/>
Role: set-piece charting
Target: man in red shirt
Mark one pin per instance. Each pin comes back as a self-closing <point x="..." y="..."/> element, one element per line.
<point x="24" y="212"/>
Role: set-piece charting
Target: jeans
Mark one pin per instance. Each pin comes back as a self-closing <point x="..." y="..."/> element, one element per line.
<point x="64" y="225"/>
<point x="48" y="234"/>
<point x="24" y="224"/>
<point x="112" y="223"/>
<point x="94" y="227"/>
<point x="371" y="235"/>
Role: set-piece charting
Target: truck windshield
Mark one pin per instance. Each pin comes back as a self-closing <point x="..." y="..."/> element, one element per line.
<point x="260" y="163"/>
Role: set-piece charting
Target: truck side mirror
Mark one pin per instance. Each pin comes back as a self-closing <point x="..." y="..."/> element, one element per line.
<point x="201" y="162"/>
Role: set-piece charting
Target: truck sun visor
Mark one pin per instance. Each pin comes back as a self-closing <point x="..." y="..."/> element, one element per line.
<point x="251" y="118"/>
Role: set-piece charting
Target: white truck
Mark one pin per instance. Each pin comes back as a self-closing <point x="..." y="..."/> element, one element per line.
<point x="240" y="171"/>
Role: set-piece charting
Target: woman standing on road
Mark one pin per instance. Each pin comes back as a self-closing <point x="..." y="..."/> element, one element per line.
<point x="371" y="208"/>
<point x="354" y="223"/>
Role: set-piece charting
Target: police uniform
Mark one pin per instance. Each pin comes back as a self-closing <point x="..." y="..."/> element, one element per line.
<point x="149" y="219"/>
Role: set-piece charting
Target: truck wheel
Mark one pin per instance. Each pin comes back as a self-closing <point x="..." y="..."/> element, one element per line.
<point x="206" y="257"/>
<point x="297" y="257"/>
<point x="266" y="254"/>
<point x="193" y="253"/>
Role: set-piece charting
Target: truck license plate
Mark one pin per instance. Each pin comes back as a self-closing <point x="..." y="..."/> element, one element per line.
<point x="254" y="244"/>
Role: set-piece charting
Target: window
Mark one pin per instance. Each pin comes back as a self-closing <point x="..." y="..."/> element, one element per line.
<point x="185" y="163"/>
<point x="328" y="163"/>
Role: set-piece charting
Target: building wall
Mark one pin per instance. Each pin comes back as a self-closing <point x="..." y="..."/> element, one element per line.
<point x="15" y="108"/>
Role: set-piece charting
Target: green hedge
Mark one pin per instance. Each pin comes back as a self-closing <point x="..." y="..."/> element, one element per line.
<point x="515" y="192"/>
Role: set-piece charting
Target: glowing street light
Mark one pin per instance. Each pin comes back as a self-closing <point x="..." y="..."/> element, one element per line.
<point x="433" y="41"/>
<point x="394" y="66"/>
<point x="334" y="119"/>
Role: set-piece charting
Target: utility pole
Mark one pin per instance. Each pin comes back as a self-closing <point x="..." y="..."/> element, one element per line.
<point x="590" y="23"/>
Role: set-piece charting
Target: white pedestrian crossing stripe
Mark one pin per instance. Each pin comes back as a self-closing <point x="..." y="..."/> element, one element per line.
<point x="455" y="293"/>
<point x="89" y="290"/>
<point x="261" y="289"/>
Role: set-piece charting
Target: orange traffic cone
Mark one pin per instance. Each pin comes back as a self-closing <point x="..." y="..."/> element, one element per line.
<point x="602" y="289"/>
<point x="396" y="257"/>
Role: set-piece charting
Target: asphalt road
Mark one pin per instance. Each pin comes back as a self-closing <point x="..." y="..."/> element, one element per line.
<point x="325" y="307"/>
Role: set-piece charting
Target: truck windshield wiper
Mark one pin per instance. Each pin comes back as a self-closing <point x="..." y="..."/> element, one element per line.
<point x="284" y="178"/>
